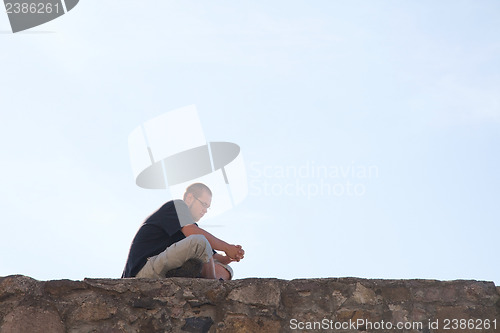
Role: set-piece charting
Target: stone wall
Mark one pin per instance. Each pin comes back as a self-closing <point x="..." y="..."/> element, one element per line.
<point x="248" y="305"/>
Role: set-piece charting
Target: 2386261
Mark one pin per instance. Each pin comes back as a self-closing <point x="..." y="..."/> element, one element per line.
<point x="31" y="8"/>
<point x="469" y="324"/>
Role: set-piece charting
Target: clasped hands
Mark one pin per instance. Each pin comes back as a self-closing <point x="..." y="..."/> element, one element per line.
<point x="233" y="253"/>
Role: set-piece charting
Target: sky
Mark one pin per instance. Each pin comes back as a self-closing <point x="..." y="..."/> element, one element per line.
<point x="369" y="131"/>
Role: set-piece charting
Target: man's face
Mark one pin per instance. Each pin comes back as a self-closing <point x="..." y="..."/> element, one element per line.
<point x="198" y="206"/>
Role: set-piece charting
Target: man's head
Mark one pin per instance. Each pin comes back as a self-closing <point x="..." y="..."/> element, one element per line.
<point x="198" y="198"/>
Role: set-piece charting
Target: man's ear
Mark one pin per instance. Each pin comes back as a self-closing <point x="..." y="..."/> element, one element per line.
<point x="189" y="198"/>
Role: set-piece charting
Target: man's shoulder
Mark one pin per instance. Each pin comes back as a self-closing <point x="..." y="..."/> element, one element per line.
<point x="171" y="216"/>
<point x="173" y="203"/>
<point x="170" y="209"/>
<point x="178" y="202"/>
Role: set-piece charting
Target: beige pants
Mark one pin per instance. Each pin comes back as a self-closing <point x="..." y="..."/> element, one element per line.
<point x="192" y="247"/>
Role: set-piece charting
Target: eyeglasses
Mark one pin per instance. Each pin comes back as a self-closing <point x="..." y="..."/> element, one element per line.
<point x="206" y="206"/>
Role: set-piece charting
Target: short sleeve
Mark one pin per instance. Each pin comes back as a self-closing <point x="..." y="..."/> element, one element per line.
<point x="171" y="217"/>
<point x="183" y="213"/>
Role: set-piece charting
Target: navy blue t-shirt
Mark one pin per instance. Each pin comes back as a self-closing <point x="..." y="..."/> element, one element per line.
<point x="159" y="231"/>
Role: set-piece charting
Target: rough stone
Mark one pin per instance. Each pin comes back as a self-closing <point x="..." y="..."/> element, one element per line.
<point x="248" y="305"/>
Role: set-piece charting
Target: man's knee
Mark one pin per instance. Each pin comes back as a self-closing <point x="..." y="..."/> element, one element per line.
<point x="199" y="244"/>
<point x="224" y="272"/>
<point x="199" y="240"/>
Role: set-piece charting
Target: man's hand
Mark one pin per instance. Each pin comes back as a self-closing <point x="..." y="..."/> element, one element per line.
<point x="234" y="252"/>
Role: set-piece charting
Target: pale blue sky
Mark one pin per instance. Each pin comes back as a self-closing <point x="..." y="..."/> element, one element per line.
<point x="411" y="88"/>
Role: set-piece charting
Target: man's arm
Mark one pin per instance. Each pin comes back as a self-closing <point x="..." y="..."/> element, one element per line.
<point x="223" y="259"/>
<point x="234" y="252"/>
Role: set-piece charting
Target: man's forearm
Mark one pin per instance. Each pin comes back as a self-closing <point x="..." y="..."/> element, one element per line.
<point x="216" y="243"/>
<point x="218" y="256"/>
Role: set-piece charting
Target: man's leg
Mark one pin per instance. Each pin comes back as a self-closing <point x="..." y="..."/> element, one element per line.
<point x="194" y="246"/>
<point x="222" y="271"/>
<point x="208" y="270"/>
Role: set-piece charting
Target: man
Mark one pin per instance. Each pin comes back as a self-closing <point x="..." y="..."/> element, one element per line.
<point x="170" y="238"/>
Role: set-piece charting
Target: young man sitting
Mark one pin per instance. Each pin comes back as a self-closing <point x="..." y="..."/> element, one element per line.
<point x="170" y="243"/>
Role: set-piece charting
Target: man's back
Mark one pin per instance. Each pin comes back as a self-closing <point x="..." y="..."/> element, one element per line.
<point x="159" y="231"/>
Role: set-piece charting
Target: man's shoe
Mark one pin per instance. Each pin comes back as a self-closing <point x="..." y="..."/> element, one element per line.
<point x="191" y="269"/>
